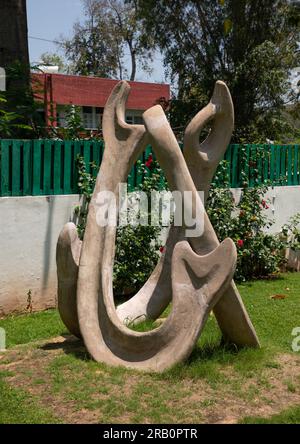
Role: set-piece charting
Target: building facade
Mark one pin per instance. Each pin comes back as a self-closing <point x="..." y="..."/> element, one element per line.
<point x="57" y="92"/>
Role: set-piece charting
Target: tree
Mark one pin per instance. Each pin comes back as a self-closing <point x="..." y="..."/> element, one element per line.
<point x="17" y="101"/>
<point x="98" y="44"/>
<point x="50" y="59"/>
<point x="13" y="32"/>
<point x="14" y="55"/>
<point x="250" y="44"/>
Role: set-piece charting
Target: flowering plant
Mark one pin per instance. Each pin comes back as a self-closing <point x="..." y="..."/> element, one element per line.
<point x="246" y="222"/>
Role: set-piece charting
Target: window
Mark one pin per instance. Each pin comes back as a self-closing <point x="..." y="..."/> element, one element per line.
<point x="134" y="117"/>
<point x="91" y="117"/>
<point x="87" y="117"/>
<point x="138" y="120"/>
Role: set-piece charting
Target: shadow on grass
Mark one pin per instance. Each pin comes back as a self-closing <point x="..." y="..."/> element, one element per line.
<point x="272" y="278"/>
<point x="207" y="360"/>
<point x="71" y="345"/>
<point x="75" y="346"/>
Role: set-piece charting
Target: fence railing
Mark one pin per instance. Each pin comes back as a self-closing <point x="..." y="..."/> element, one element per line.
<point x="45" y="167"/>
<point x="273" y="164"/>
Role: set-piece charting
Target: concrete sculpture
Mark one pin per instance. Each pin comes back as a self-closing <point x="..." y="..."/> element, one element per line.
<point x="194" y="272"/>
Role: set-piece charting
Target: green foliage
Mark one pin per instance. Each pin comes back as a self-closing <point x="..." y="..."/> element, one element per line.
<point x="51" y="59"/>
<point x="19" y="117"/>
<point x="291" y="231"/>
<point x="250" y="44"/>
<point x="98" y="44"/>
<point x="86" y="184"/>
<point x="16" y="103"/>
<point x="259" y="254"/>
<point x="74" y="127"/>
<point x="137" y="247"/>
<point x="9" y="122"/>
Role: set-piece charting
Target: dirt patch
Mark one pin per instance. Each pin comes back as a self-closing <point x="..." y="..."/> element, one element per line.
<point x="59" y="374"/>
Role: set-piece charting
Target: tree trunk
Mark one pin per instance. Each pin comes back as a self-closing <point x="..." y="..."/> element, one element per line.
<point x="14" y="35"/>
<point x="133" y="62"/>
<point x="14" y="58"/>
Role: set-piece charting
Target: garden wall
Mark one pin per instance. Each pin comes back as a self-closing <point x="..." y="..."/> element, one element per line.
<point x="284" y="203"/>
<point x="29" y="228"/>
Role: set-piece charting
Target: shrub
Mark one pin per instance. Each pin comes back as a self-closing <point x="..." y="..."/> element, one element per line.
<point x="260" y="254"/>
<point x="291" y="232"/>
<point x="137" y="247"/>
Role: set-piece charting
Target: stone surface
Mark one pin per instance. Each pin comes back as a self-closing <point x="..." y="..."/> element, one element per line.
<point x="194" y="272"/>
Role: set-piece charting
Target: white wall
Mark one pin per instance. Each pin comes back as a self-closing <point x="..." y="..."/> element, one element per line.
<point x="284" y="203"/>
<point x="29" y="228"/>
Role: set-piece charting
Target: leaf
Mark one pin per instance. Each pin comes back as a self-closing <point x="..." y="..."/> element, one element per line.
<point x="278" y="296"/>
<point x="227" y="26"/>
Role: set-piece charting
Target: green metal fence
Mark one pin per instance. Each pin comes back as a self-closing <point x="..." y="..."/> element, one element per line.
<point x="274" y="164"/>
<point x="45" y="167"/>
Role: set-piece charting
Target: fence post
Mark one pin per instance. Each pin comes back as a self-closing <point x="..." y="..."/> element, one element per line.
<point x="5" y="168"/>
<point x="36" y="167"/>
<point x="27" y="167"/>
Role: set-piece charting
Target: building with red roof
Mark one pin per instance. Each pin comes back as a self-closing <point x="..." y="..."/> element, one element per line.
<point x="59" y="91"/>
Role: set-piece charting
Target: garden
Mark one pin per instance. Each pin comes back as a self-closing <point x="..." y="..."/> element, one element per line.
<point x="47" y="376"/>
<point x="179" y="301"/>
<point x="219" y="383"/>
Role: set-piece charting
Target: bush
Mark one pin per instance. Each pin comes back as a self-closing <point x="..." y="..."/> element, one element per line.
<point x="291" y="232"/>
<point x="259" y="254"/>
<point x="137" y="247"/>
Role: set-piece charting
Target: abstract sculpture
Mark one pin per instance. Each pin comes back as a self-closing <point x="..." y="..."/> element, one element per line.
<point x="194" y="272"/>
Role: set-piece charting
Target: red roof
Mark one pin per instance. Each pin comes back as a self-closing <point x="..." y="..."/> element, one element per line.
<point x="94" y="91"/>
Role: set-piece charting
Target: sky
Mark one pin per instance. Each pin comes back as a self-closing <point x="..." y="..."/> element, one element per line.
<point x="50" y="19"/>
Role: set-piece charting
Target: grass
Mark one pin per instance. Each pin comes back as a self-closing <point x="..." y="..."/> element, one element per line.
<point x="216" y="381"/>
<point x="17" y="406"/>
<point x="32" y="327"/>
<point x="274" y="319"/>
<point x="289" y="416"/>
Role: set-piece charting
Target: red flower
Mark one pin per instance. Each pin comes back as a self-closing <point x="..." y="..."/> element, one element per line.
<point x="240" y="243"/>
<point x="149" y="161"/>
<point x="161" y="249"/>
<point x="264" y="204"/>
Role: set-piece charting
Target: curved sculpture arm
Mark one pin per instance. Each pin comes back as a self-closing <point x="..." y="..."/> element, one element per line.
<point x="95" y="302"/>
<point x="67" y="259"/>
<point x="105" y="336"/>
<point x="203" y="158"/>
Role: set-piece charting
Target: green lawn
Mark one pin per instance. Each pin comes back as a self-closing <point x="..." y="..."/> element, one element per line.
<point x="18" y="407"/>
<point x="289" y="416"/>
<point x="217" y="383"/>
<point x="31" y="327"/>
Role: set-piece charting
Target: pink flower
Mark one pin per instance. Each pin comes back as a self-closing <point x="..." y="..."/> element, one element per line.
<point x="240" y="243"/>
